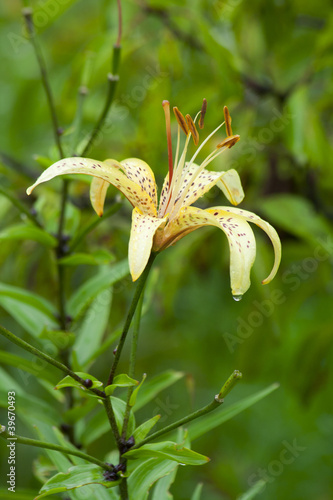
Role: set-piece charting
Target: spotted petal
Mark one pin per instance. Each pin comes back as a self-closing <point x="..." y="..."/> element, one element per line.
<point x="107" y="171"/>
<point x="269" y="230"/>
<point x="229" y="182"/>
<point x="142" y="232"/>
<point x="231" y="186"/>
<point x="140" y="172"/>
<point x="238" y="231"/>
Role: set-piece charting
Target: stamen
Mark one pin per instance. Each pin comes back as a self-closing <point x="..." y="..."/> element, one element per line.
<point x="227" y="119"/>
<point x="193" y="129"/>
<point x="202" y="113"/>
<point x="181" y="120"/>
<point x="166" y="107"/>
<point x="228" y="142"/>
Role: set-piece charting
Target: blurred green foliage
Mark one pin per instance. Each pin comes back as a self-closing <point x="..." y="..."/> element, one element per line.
<point x="271" y="63"/>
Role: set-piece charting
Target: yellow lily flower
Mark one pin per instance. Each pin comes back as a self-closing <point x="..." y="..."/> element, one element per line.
<point x="156" y="227"/>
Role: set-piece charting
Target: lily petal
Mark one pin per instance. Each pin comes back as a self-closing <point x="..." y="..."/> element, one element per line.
<point x="231" y="186"/>
<point x="141" y="241"/>
<point x="269" y="230"/>
<point x="140" y="172"/>
<point x="239" y="233"/>
<point x="108" y="171"/>
<point x="98" y="189"/>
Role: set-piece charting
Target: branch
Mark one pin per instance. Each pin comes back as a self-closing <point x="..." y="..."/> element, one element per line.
<point x="4" y="434"/>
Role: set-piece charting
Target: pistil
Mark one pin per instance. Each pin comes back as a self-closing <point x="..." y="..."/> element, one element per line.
<point x="166" y="107"/>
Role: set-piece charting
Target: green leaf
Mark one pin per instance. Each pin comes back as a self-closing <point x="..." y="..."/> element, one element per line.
<point x="86" y="293"/>
<point x="161" y="490"/>
<point x="170" y="451"/>
<point x="76" y="477"/>
<point x="90" y="333"/>
<point x="121" y="380"/>
<point x="297" y="216"/>
<point x="26" y="232"/>
<point x="31" y="311"/>
<point x="197" y="492"/>
<point x="134" y="394"/>
<point x="146" y="474"/>
<point x="99" y="424"/>
<point x="68" y="381"/>
<point x="48" y="12"/>
<point x="218" y="417"/>
<point x="96" y="258"/>
<point x="143" y="430"/>
<point x="257" y="488"/>
<point x="154" y="386"/>
<point x="19" y="494"/>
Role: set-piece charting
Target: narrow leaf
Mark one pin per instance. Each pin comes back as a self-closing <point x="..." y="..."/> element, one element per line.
<point x="146" y="474"/>
<point x="170" y="451"/>
<point x="154" y="386"/>
<point x="122" y="380"/>
<point x="143" y="430"/>
<point x="26" y="232"/>
<point x="70" y="382"/>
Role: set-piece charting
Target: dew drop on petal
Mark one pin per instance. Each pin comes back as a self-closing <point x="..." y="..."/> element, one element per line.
<point x="237" y="298"/>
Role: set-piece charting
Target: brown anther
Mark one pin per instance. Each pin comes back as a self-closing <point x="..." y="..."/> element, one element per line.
<point x="193" y="129"/>
<point x="181" y="120"/>
<point x="228" y="142"/>
<point x="227" y="119"/>
<point x="202" y="113"/>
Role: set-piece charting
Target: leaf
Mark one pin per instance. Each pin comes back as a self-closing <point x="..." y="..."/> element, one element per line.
<point x="90" y="333"/>
<point x="170" y="451"/>
<point x="93" y="259"/>
<point x="26" y="232"/>
<point x="99" y="424"/>
<point x="146" y="474"/>
<point x="134" y="394"/>
<point x="68" y="381"/>
<point x="121" y="380"/>
<point x="48" y="12"/>
<point x="106" y="277"/>
<point x="297" y="216"/>
<point x="76" y="477"/>
<point x="197" y="492"/>
<point x="218" y="417"/>
<point x="154" y="386"/>
<point x="161" y="490"/>
<point x="19" y="494"/>
<point x="143" y="430"/>
<point x="31" y="311"/>
<point x="257" y="488"/>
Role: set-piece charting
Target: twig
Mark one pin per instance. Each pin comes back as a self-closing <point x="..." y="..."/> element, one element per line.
<point x="131" y="371"/>
<point x="27" y="14"/>
<point x="4" y="434"/>
<point x="135" y="300"/>
<point x="33" y="350"/>
<point x="217" y="401"/>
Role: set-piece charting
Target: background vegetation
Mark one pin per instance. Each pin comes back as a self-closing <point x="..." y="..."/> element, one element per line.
<point x="271" y="63"/>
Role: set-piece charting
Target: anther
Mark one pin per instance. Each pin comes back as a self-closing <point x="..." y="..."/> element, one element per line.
<point x="202" y="113"/>
<point x="193" y="130"/>
<point x="228" y="142"/>
<point x="181" y="120"/>
<point x="227" y="119"/>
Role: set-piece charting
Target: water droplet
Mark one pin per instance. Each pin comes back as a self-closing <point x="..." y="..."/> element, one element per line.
<point x="237" y="298"/>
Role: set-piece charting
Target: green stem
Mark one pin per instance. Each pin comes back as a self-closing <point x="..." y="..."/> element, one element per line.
<point x="131" y="371"/>
<point x="112" y="85"/>
<point x="139" y="288"/>
<point x="27" y="14"/>
<point x="112" y="419"/>
<point x="50" y="446"/>
<point x="33" y="350"/>
<point x="91" y="225"/>
<point x="217" y="401"/>
<point x="20" y="206"/>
